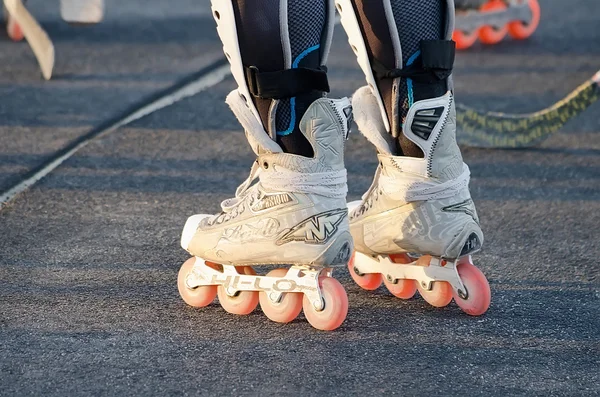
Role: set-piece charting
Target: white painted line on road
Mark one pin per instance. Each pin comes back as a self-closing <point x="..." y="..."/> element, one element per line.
<point x="207" y="80"/>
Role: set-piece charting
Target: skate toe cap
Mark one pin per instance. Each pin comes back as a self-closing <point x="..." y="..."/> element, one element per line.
<point x="189" y="230"/>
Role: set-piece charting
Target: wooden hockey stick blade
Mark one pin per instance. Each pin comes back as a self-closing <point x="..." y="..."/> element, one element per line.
<point x="37" y="38"/>
<point x="504" y="130"/>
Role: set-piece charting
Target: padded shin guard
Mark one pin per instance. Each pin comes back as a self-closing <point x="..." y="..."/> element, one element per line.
<point x="374" y="35"/>
<point x="277" y="50"/>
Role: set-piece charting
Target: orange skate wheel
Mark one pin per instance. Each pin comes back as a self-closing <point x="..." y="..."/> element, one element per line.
<point x="489" y="34"/>
<point x="403" y="289"/>
<point x="370" y="281"/>
<point x="196" y="297"/>
<point x="464" y="40"/>
<point x="14" y="30"/>
<point x="336" y="306"/>
<point x="439" y="295"/>
<point x="478" y="289"/>
<point x="520" y="30"/>
<point x="287" y="308"/>
<point x="244" y="302"/>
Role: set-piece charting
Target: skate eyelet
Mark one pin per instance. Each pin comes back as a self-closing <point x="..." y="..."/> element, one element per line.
<point x="265" y="165"/>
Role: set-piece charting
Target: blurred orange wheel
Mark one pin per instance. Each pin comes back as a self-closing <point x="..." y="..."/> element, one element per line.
<point x="14" y="30"/>
<point x="520" y="30"/>
<point x="489" y="34"/>
<point x="464" y="40"/>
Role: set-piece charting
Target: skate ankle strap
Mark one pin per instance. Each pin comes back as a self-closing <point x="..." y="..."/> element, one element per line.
<point x="286" y="83"/>
<point x="432" y="63"/>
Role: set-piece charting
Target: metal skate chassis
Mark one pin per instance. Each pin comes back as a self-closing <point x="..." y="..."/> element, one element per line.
<point x="438" y="270"/>
<point x="471" y="20"/>
<point x="298" y="279"/>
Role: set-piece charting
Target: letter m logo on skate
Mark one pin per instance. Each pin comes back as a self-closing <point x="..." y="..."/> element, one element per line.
<point x="317" y="229"/>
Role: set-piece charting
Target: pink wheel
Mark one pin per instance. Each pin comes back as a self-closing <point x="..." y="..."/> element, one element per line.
<point x="403" y="289"/>
<point x="479" y="294"/>
<point x="287" y="308"/>
<point x="489" y="34"/>
<point x="464" y="40"/>
<point x="520" y="30"/>
<point x="439" y="295"/>
<point x="336" y="306"/>
<point x="14" y="30"/>
<point x="369" y="281"/>
<point x="196" y="297"/>
<point x="244" y="302"/>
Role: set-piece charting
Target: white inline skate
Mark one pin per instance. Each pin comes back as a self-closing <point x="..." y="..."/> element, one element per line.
<point x="416" y="226"/>
<point x="295" y="214"/>
<point x="418" y="206"/>
<point x="289" y="214"/>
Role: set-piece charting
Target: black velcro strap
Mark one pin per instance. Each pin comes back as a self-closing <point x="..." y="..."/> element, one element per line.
<point x="433" y="64"/>
<point x="286" y="83"/>
<point x="438" y="54"/>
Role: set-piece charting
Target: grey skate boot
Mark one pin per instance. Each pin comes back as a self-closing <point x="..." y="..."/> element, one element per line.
<point x="419" y="206"/>
<point x="294" y="214"/>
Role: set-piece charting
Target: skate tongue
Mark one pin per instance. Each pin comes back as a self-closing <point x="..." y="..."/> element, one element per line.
<point x="368" y="119"/>
<point x="259" y="140"/>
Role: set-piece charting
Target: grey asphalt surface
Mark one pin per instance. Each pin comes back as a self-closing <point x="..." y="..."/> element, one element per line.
<point x="89" y="256"/>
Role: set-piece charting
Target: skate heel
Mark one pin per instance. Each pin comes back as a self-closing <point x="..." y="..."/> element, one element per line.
<point x="282" y="293"/>
<point x="437" y="280"/>
<point x="468" y="241"/>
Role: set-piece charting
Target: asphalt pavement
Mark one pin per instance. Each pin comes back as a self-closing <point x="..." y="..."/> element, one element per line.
<point x="89" y="255"/>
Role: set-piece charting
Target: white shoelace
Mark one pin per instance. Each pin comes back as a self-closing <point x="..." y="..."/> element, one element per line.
<point x="278" y="179"/>
<point x="416" y="188"/>
<point x="419" y="189"/>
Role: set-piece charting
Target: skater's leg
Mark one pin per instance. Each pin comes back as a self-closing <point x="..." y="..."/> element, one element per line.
<point x="276" y="35"/>
<point x="419" y="201"/>
<point x="394" y="32"/>
<point x="292" y="208"/>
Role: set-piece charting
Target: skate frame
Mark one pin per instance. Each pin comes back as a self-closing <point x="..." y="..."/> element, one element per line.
<point x="438" y="270"/>
<point x="299" y="279"/>
<point x="470" y="21"/>
<point x="37" y="38"/>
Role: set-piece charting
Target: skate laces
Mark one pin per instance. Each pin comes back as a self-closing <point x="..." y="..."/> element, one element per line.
<point x="277" y="178"/>
<point x="412" y="187"/>
<point x="330" y="184"/>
